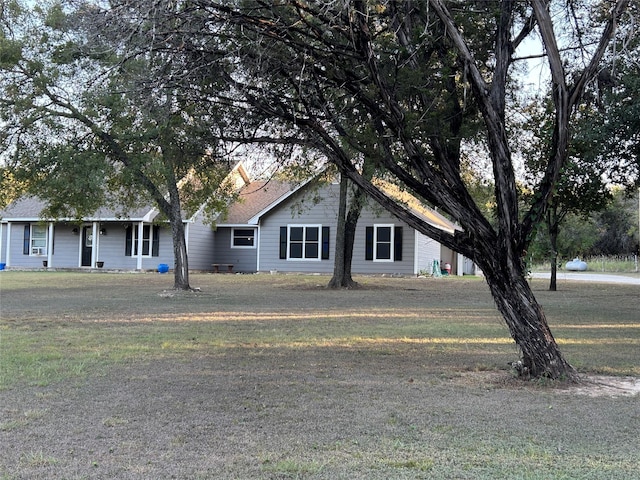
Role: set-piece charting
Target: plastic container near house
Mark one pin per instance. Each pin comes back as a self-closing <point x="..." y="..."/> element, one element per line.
<point x="163" y="268"/>
<point x="2" y="266"/>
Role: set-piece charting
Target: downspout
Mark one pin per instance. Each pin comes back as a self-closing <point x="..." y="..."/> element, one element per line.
<point x="1" y="241"/>
<point x="50" y="245"/>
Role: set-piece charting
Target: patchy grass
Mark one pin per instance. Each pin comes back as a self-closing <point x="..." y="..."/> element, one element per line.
<point x="59" y="325"/>
<point x="259" y="376"/>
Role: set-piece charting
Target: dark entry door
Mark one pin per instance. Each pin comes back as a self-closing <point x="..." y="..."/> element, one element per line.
<point x="87" y="245"/>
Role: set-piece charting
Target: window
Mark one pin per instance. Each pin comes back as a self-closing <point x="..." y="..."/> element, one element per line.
<point x="383" y="243"/>
<point x="35" y="240"/>
<point x="304" y="242"/>
<point x="150" y="240"/>
<point x="243" y="238"/>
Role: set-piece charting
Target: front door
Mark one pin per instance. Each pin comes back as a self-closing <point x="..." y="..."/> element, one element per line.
<point x="87" y="245"/>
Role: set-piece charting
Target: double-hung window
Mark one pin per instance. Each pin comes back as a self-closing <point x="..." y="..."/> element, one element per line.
<point x="383" y="243"/>
<point x="243" y="238"/>
<point x="304" y="242"/>
<point x="150" y="240"/>
<point x="35" y="239"/>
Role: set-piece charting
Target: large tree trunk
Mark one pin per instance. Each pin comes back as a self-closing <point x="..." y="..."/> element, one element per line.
<point x="527" y="323"/>
<point x="181" y="266"/>
<point x="345" y="237"/>
<point x="181" y="262"/>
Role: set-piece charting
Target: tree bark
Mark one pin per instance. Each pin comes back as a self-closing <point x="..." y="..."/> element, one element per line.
<point x="552" y="226"/>
<point x="181" y="266"/>
<point x="174" y="214"/>
<point x="527" y="324"/>
<point x="345" y="237"/>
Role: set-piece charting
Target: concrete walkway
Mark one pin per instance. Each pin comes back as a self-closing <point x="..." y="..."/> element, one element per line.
<point x="590" y="277"/>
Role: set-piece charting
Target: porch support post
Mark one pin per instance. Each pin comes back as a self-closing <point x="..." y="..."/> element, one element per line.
<point x="1" y="241"/>
<point x="94" y="243"/>
<point x="140" y="242"/>
<point x="50" y="245"/>
<point x="7" y="258"/>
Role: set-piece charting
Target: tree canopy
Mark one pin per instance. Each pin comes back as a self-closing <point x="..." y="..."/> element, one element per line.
<point x="85" y="127"/>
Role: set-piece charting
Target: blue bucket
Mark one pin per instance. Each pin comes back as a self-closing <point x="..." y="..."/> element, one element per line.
<point x="163" y="268"/>
<point x="2" y="265"/>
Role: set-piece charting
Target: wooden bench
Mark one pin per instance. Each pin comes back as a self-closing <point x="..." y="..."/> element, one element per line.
<point x="216" y="267"/>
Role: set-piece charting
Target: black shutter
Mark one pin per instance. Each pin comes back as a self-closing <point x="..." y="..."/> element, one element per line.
<point x="325" y="243"/>
<point x="155" y="246"/>
<point x="283" y="242"/>
<point x="128" y="240"/>
<point x="368" y="244"/>
<point x="27" y="239"/>
<point x="397" y="244"/>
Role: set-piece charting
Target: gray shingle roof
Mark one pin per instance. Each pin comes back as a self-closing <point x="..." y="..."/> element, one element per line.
<point x="30" y="208"/>
<point x="253" y="199"/>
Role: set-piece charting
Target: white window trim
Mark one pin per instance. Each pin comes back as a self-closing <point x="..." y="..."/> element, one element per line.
<point x="375" y="242"/>
<point x="43" y="251"/>
<point x="135" y="245"/>
<point x="304" y="226"/>
<point x="254" y="230"/>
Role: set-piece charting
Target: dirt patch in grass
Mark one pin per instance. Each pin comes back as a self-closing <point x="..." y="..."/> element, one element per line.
<point x="606" y="386"/>
<point x="279" y="378"/>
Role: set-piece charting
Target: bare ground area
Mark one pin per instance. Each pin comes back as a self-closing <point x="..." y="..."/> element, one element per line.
<point x="316" y="411"/>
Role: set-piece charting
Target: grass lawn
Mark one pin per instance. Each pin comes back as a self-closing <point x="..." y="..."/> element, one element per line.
<point x="273" y="376"/>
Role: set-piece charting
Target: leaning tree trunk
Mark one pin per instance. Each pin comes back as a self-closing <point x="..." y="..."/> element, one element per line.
<point x="527" y="323"/>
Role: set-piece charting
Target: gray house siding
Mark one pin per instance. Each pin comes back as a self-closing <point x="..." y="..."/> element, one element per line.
<point x="298" y="210"/>
<point x="14" y="244"/>
<point x="66" y="252"/>
<point x="301" y="211"/>
<point x="427" y="251"/>
<point x="360" y="264"/>
<point x="201" y="246"/>
<point x="108" y="247"/>
<point x="243" y="259"/>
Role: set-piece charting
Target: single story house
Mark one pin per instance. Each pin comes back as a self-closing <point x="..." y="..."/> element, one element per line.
<point x="276" y="227"/>
<point x="273" y="226"/>
<point x="102" y="240"/>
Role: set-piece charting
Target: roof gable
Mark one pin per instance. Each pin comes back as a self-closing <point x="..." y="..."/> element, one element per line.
<point x="254" y="199"/>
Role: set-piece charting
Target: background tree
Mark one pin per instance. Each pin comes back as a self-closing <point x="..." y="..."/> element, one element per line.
<point x="617" y="226"/>
<point x="581" y="188"/>
<point x="604" y="144"/>
<point x="86" y="127"/>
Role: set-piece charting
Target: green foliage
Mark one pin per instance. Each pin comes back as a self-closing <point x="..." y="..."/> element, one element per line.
<point x="86" y="118"/>
<point x="617" y="227"/>
<point x="612" y="231"/>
